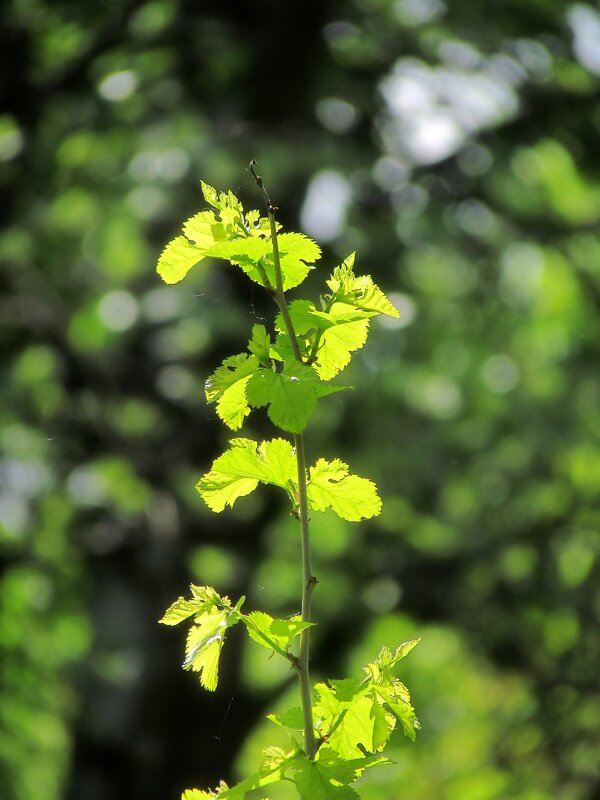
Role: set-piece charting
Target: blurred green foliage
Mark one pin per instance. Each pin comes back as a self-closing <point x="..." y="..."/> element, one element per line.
<point x="454" y="145"/>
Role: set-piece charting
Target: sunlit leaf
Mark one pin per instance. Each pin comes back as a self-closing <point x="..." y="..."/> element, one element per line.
<point x="359" y="290"/>
<point x="351" y="497"/>
<point x="239" y="470"/>
<point x="177" y="259"/>
<point x="274" y="634"/>
<point x="260" y="344"/>
<point x="316" y="780"/>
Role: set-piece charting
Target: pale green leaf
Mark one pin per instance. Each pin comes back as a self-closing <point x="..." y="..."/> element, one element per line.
<point x="274" y="634"/>
<point x="233" y="369"/>
<point x="322" y="781"/>
<point x="204" y="599"/>
<point x="396" y="697"/>
<point x="291" y="395"/>
<point x="196" y="794"/>
<point x="351" y="497"/>
<point x="260" y="344"/>
<point x="292" y="718"/>
<point x="204" y="230"/>
<point x="297" y="253"/>
<point x="227" y="385"/>
<point x="272" y="769"/>
<point x="351" y="718"/>
<point x="380" y="670"/>
<point x="176" y="260"/>
<point x="180" y="610"/>
<point x="337" y="343"/>
<point x="239" y="470"/>
<point x="359" y="290"/>
<point x="232" y="406"/>
<point x="204" y="644"/>
<point x="245" y="251"/>
<point x="210" y="194"/>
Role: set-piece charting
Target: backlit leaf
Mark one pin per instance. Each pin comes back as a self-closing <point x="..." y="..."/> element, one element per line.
<point x="239" y="470"/>
<point x="227" y="385"/>
<point x="322" y="781"/>
<point x="274" y="634"/>
<point x="359" y="290"/>
<point x="177" y="259"/>
<point x="351" y="497"/>
<point x="260" y="344"/>
<point x="233" y="369"/>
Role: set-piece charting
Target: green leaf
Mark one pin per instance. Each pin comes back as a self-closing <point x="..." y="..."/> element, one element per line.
<point x="204" y="598"/>
<point x="338" y="342"/>
<point x="396" y="697"/>
<point x="246" y="252"/>
<point x="233" y="406"/>
<point x="227" y="385"/>
<point x="359" y="290"/>
<point x="290" y="396"/>
<point x="210" y="194"/>
<point x="351" y="497"/>
<point x="204" y="230"/>
<point x="212" y="614"/>
<point x="260" y="344"/>
<point x="292" y="718"/>
<point x="233" y="369"/>
<point x="389" y="690"/>
<point x="239" y="470"/>
<point x="380" y="670"/>
<point x="180" y="610"/>
<point x="272" y="769"/>
<point x="274" y="634"/>
<point x="325" y="779"/>
<point x="351" y="718"/>
<point x="177" y="259"/>
<point x="204" y="644"/>
<point x="296" y="255"/>
<point x="196" y="794"/>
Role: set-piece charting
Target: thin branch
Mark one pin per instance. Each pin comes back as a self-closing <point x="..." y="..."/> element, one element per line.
<point x="309" y="580"/>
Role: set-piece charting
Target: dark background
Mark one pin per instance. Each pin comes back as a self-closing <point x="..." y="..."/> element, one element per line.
<point x="455" y="147"/>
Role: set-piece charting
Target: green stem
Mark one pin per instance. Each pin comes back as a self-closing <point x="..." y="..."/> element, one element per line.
<point x="309" y="581"/>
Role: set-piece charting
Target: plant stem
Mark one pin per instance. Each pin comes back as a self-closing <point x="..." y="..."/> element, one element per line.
<point x="309" y="580"/>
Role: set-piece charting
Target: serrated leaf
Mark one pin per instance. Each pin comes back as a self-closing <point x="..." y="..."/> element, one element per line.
<point x="292" y="718"/>
<point x="233" y="369"/>
<point x="196" y="794"/>
<point x="239" y="470"/>
<point x="204" y="599"/>
<point x="204" y="230"/>
<point x="246" y="252"/>
<point x="297" y="253"/>
<point x="180" y="610"/>
<point x="177" y="259"/>
<point x="352" y="719"/>
<point x="397" y="698"/>
<point x="274" y="634"/>
<point x="260" y="344"/>
<point x="227" y="385"/>
<point x="210" y="194"/>
<point x="272" y="769"/>
<point x="232" y="406"/>
<point x="290" y="396"/>
<point x="351" y="497"/>
<point x="204" y="644"/>
<point x="380" y="670"/>
<point x="212" y="616"/>
<point x="359" y="290"/>
<point x="337" y="343"/>
<point x="322" y="780"/>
